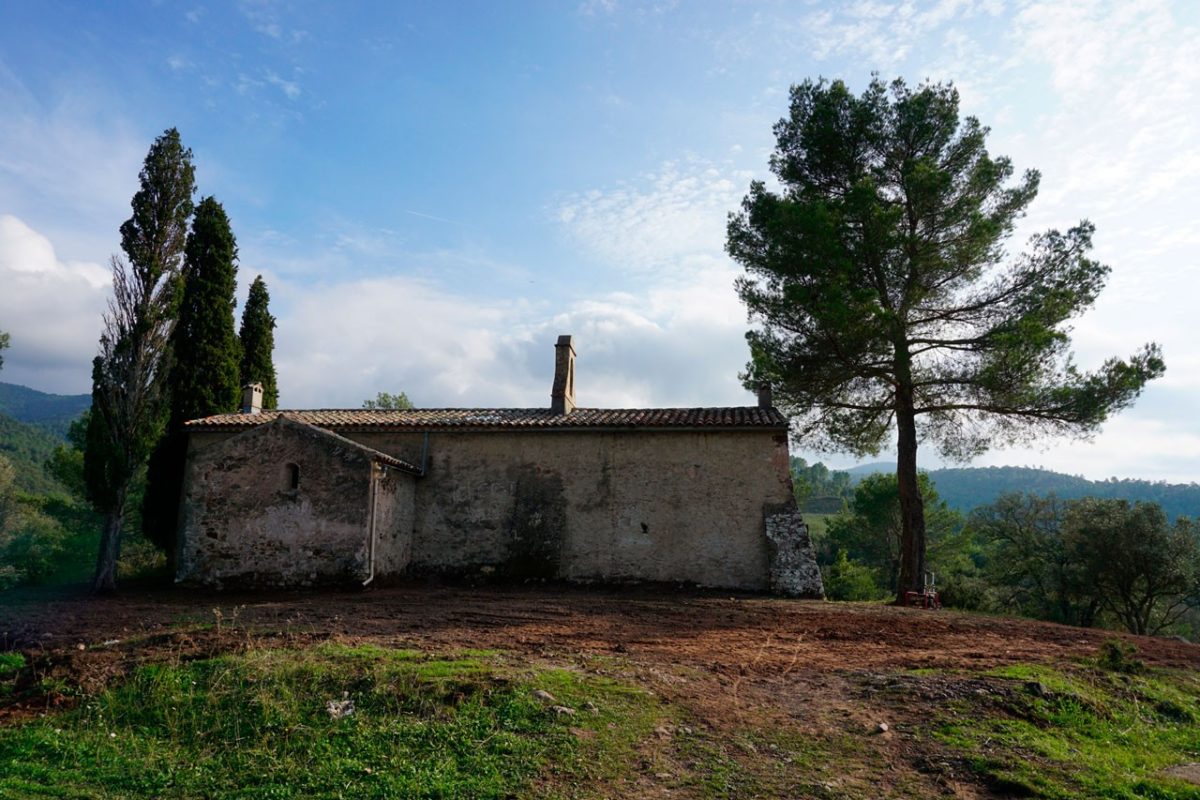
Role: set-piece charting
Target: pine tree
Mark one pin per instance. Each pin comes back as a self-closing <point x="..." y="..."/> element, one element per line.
<point x="886" y="295"/>
<point x="128" y="377"/>
<point x="204" y="373"/>
<point x="257" y="336"/>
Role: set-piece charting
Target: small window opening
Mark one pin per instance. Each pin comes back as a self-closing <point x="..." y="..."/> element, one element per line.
<point x="293" y="476"/>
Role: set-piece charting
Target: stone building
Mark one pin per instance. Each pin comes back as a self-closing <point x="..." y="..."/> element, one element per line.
<point x="694" y="495"/>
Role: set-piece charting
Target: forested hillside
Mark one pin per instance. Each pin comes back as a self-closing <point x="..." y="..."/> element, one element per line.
<point x="51" y="411"/>
<point x="967" y="488"/>
<point x="27" y="447"/>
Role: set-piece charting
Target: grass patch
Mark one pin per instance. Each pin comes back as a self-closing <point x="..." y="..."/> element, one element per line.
<point x="258" y="726"/>
<point x="1082" y="732"/>
<point x="782" y="761"/>
<point x="11" y="664"/>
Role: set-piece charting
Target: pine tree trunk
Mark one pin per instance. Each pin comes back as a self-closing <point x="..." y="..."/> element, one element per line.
<point x="110" y="549"/>
<point x="912" y="507"/>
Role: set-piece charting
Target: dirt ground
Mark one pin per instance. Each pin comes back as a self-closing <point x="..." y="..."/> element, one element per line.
<point x="731" y="661"/>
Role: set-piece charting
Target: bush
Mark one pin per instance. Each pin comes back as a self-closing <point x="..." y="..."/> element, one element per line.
<point x="30" y="548"/>
<point x="1118" y="656"/>
<point x="966" y="591"/>
<point x="848" y="580"/>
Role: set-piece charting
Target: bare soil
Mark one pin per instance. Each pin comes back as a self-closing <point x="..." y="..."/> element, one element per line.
<point x="734" y="662"/>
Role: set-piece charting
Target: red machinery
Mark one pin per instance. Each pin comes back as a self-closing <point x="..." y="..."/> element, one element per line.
<point x="927" y="597"/>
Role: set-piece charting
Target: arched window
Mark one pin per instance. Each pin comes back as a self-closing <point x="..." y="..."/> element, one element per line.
<point x="292" y="476"/>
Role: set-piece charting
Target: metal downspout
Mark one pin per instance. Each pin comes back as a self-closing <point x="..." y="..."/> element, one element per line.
<point x="376" y="473"/>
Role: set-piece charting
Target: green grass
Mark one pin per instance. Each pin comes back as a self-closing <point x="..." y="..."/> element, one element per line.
<point x="257" y="726"/>
<point x="1083" y="732"/>
<point x="11" y="664"/>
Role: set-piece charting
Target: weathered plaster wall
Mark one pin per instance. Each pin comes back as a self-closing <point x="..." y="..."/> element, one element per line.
<point x="662" y="506"/>
<point x="241" y="522"/>
<point x="395" y="505"/>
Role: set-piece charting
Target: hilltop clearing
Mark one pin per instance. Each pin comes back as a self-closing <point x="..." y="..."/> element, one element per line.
<point x="670" y="694"/>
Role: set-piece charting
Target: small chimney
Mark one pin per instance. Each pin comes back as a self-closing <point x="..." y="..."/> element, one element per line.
<point x="562" y="394"/>
<point x="252" y="394"/>
<point x="765" y="397"/>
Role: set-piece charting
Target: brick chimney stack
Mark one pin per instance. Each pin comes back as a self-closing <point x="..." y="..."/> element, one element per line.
<point x="562" y="394"/>
<point x="252" y="397"/>
<point x="766" y="398"/>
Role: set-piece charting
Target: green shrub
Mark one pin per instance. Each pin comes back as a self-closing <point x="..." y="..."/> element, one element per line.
<point x="30" y="546"/>
<point x="1118" y="656"/>
<point x="849" y="580"/>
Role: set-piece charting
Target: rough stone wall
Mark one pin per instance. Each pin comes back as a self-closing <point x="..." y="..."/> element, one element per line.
<point x="662" y="506"/>
<point x="395" y="502"/>
<point x="242" y="522"/>
<point x="794" y="570"/>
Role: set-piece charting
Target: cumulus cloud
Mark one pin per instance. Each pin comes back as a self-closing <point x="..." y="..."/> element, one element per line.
<point x="51" y="308"/>
<point x="70" y="166"/>
<point x="339" y="344"/>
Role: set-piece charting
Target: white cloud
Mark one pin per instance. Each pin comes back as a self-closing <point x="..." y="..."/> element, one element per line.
<point x="68" y="168"/>
<point x="290" y="88"/>
<point x="338" y="344"/>
<point x="668" y="219"/>
<point x="51" y="309"/>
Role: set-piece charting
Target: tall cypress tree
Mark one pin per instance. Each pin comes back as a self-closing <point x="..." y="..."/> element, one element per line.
<point x="128" y="376"/>
<point x="258" y="343"/>
<point x="204" y="377"/>
<point x="204" y="374"/>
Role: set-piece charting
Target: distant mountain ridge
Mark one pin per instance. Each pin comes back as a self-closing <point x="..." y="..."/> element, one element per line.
<point x="54" y="412"/>
<point x="965" y="488"/>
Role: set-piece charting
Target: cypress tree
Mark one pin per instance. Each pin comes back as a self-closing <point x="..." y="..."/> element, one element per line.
<point x="204" y="374"/>
<point x="204" y="377"/>
<point x="128" y="397"/>
<point x="257" y="336"/>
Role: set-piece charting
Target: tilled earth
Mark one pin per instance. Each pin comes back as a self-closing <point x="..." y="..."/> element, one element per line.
<point x="734" y="663"/>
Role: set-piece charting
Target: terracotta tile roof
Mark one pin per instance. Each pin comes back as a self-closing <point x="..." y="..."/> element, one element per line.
<point x="370" y="452"/>
<point x="509" y="418"/>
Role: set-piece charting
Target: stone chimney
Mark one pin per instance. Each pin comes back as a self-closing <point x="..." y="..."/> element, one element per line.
<point x="765" y="397"/>
<point x="252" y="394"/>
<point x="562" y="394"/>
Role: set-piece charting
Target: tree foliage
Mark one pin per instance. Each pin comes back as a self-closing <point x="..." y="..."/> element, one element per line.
<point x="880" y="279"/>
<point x="383" y="400"/>
<point x="871" y="530"/>
<point x="65" y="464"/>
<point x="4" y="342"/>
<point x="204" y="375"/>
<point x="203" y="378"/>
<point x="1033" y="570"/>
<point x="153" y="237"/>
<point x="129" y="401"/>
<point x="1145" y="571"/>
<point x="1090" y="560"/>
<point x="257" y="336"/>
<point x="819" y="489"/>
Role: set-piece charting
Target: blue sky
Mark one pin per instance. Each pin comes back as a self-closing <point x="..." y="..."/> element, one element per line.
<point x="433" y="192"/>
